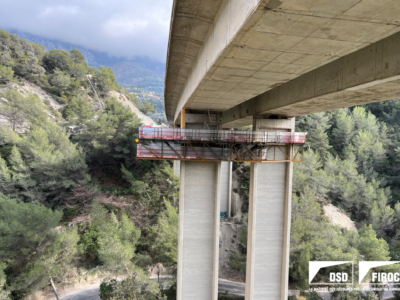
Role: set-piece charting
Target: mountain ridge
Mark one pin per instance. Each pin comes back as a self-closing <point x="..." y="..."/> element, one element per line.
<point x="138" y="70"/>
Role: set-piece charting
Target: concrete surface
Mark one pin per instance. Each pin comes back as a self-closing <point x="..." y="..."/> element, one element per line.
<point x="268" y="239"/>
<point x="198" y="215"/>
<point x="368" y="75"/>
<point x="222" y="53"/>
<point x="264" y="264"/>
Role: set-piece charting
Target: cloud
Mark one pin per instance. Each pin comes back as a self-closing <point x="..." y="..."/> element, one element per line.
<point x="61" y="9"/>
<point x="119" y="27"/>
<point x="123" y="26"/>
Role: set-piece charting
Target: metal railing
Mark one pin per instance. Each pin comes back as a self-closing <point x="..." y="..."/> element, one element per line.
<point x="228" y="136"/>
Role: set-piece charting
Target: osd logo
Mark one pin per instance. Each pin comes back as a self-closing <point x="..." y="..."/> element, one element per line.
<point x="331" y="272"/>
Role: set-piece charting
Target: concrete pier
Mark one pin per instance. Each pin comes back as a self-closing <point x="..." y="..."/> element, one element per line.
<point x="199" y="218"/>
<point x="269" y="222"/>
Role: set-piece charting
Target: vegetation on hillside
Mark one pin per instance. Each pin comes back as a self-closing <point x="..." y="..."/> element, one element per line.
<point x="76" y="204"/>
<point x="64" y="74"/>
<point x="351" y="161"/>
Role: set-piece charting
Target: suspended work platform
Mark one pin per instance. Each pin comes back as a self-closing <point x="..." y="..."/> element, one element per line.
<point x="219" y="145"/>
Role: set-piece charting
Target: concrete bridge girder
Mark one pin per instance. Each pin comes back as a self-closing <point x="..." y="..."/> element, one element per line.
<point x="248" y="47"/>
<point x="368" y="75"/>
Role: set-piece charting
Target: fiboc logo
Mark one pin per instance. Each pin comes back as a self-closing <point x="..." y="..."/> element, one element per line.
<point x="379" y="277"/>
<point x="331" y="272"/>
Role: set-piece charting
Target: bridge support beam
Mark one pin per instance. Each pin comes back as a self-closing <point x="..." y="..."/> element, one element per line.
<point x="199" y="222"/>
<point x="268" y="242"/>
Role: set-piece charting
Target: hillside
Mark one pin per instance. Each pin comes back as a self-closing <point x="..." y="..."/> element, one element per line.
<point x="139" y="71"/>
<point x="26" y="88"/>
<point x="74" y="201"/>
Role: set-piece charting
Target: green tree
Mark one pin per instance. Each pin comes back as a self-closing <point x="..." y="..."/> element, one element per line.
<point x="44" y="164"/>
<point x="147" y="107"/>
<point x="238" y="262"/>
<point x="344" y="131"/>
<point x="78" y="71"/>
<point x="35" y="252"/>
<point x="60" y="80"/>
<point x="57" y="59"/>
<point x="6" y="179"/>
<point x="136" y="287"/>
<point x="51" y="262"/>
<point x="4" y="292"/>
<point x="312" y="238"/>
<point x="316" y="126"/>
<point x="5" y="54"/>
<point x="14" y="109"/>
<point x="77" y="56"/>
<point x="164" y="236"/>
<point x="6" y="74"/>
<point x="311" y="174"/>
<point x="116" y="239"/>
<point x="55" y="164"/>
<point x="110" y="137"/>
<point x="372" y="248"/>
<point x="39" y="50"/>
<point x="79" y="111"/>
<point x="105" y="80"/>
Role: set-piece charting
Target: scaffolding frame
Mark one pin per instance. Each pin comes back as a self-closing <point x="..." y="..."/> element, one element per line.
<point x="205" y="151"/>
<point x="221" y="136"/>
<point x="220" y="145"/>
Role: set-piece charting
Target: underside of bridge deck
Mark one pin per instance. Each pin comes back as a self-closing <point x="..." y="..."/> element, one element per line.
<point x="222" y="53"/>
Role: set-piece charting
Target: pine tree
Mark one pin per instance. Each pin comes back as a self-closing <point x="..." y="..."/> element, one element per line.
<point x="35" y="252"/>
<point x="13" y="109"/>
<point x="344" y="131"/>
<point x="6" y="74"/>
<point x="6" y="180"/>
<point x="371" y="247"/>
<point x="164" y="236"/>
<point x="116" y="239"/>
<point x="79" y="111"/>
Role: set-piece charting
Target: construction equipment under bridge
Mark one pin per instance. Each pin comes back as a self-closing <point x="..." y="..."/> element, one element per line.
<point x="219" y="145"/>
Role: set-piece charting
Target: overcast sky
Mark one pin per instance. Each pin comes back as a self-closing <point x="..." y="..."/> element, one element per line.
<point x="119" y="27"/>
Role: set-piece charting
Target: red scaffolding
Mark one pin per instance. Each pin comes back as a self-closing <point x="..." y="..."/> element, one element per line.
<point x="221" y="136"/>
<point x="219" y="145"/>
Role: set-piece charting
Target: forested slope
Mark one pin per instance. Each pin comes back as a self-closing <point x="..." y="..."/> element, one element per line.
<point x="74" y="201"/>
<point x="140" y="71"/>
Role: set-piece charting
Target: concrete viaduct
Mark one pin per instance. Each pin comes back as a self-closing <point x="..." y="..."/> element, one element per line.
<point x="263" y="62"/>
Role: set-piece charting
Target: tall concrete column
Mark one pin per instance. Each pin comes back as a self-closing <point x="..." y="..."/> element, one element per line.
<point x="268" y="242"/>
<point x="198" y="245"/>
